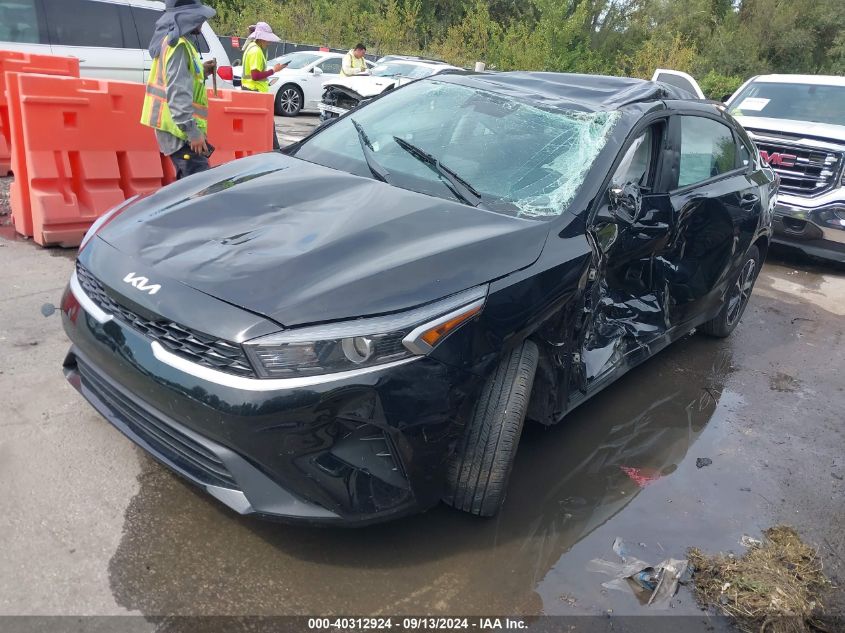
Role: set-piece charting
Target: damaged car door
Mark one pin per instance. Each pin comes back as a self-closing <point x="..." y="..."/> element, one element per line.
<point x="717" y="203"/>
<point x="626" y="303"/>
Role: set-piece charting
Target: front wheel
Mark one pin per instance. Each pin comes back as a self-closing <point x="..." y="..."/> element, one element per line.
<point x="479" y="472"/>
<point x="289" y="100"/>
<point x="736" y="299"/>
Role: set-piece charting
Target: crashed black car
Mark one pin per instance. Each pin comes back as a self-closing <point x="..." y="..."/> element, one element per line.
<point x="358" y="328"/>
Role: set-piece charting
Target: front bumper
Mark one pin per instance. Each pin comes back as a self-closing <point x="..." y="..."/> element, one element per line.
<point x="329" y="112"/>
<point x="353" y="450"/>
<point x="818" y="230"/>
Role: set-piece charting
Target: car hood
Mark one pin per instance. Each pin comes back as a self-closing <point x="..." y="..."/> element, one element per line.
<point x="301" y="243"/>
<point x="366" y="86"/>
<point x="820" y="131"/>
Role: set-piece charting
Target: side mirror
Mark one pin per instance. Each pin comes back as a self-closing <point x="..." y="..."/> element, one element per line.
<point x="626" y="202"/>
<point x="317" y="71"/>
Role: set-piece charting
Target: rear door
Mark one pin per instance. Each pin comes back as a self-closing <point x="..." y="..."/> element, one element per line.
<point x="101" y="34"/>
<point x="717" y="206"/>
<point x="23" y="27"/>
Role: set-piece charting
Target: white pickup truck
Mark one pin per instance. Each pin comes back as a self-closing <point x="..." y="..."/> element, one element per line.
<point x="798" y="124"/>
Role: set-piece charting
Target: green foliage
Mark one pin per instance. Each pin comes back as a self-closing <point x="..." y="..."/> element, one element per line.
<point x="720" y="42"/>
<point x="719" y="87"/>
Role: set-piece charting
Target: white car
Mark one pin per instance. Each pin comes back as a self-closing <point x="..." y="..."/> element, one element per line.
<point x="345" y="93"/>
<point x="298" y="87"/>
<point x="110" y="37"/>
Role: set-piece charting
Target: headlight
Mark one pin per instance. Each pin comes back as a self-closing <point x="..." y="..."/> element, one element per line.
<point x="104" y="219"/>
<point x="273" y="80"/>
<point x="363" y="343"/>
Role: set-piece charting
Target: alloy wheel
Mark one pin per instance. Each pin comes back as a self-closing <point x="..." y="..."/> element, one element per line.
<point x="290" y="101"/>
<point x="741" y="291"/>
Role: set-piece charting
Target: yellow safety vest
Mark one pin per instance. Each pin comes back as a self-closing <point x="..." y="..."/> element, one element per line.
<point x="254" y="59"/>
<point x="354" y="62"/>
<point x="156" y="112"/>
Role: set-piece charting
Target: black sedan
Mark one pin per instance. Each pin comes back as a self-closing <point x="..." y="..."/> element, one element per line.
<point x="357" y="328"/>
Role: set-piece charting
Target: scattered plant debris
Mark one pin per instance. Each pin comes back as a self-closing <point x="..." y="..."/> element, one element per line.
<point x="775" y="587"/>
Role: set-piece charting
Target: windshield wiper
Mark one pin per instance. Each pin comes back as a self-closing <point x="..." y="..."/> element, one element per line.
<point x="376" y="169"/>
<point x="460" y="187"/>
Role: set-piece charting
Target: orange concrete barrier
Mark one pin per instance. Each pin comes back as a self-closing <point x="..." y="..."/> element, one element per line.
<point x="239" y="124"/>
<point x="17" y="62"/>
<point x="82" y="151"/>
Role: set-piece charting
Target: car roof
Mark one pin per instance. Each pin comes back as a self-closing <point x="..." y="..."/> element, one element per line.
<point x="424" y="63"/>
<point x="324" y="54"/>
<point x="819" y="80"/>
<point x="591" y="93"/>
<point x="413" y="58"/>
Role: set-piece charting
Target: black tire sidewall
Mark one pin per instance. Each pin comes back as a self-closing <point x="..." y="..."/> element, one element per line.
<point x="719" y="326"/>
<point x="278" y="103"/>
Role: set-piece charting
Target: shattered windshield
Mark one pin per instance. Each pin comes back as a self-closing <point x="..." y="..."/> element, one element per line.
<point x="520" y="159"/>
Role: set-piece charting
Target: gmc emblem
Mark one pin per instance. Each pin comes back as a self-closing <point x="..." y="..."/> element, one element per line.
<point x="776" y="159"/>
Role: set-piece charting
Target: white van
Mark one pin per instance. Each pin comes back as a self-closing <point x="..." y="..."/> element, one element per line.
<point x="110" y="37"/>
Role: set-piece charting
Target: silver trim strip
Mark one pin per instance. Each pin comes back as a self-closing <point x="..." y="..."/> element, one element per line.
<point x="414" y="340"/>
<point x="263" y="384"/>
<point x="87" y="304"/>
<point x="235" y="499"/>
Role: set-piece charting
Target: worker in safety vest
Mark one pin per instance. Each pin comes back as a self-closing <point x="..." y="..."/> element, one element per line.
<point x="256" y="75"/>
<point x="353" y="62"/>
<point x="176" y="103"/>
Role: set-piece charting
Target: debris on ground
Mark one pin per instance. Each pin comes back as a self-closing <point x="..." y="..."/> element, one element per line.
<point x="701" y="462"/>
<point x="775" y="587"/>
<point x="654" y="585"/>
<point x="641" y="476"/>
<point x="748" y="541"/>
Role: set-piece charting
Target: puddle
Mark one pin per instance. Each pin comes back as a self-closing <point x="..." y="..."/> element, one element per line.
<point x="181" y="553"/>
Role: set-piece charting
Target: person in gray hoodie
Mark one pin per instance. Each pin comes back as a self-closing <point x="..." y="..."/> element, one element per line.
<point x="176" y="104"/>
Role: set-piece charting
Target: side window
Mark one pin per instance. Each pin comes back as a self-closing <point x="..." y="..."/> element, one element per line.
<point x="19" y="22"/>
<point x="707" y="150"/>
<point x="86" y="23"/>
<point x="145" y="22"/>
<point x="746" y="154"/>
<point x="330" y="66"/>
<point x="637" y="162"/>
<point x="202" y="44"/>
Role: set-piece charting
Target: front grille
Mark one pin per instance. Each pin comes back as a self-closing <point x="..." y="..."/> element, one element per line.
<point x="192" y="345"/>
<point x="814" y="171"/>
<point x="187" y="455"/>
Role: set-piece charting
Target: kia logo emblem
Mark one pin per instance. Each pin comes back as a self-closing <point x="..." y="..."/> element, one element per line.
<point x="141" y="283"/>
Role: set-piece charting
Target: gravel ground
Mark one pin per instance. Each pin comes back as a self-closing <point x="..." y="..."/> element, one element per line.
<point x="5" y="208"/>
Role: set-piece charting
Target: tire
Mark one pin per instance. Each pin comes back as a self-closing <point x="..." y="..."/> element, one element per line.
<point x="736" y="299"/>
<point x="479" y="472"/>
<point x="289" y="100"/>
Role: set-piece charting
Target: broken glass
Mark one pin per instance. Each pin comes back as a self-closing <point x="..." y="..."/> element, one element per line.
<point x="523" y="159"/>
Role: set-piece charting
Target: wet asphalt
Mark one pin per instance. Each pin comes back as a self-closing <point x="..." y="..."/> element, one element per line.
<point x="91" y="525"/>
